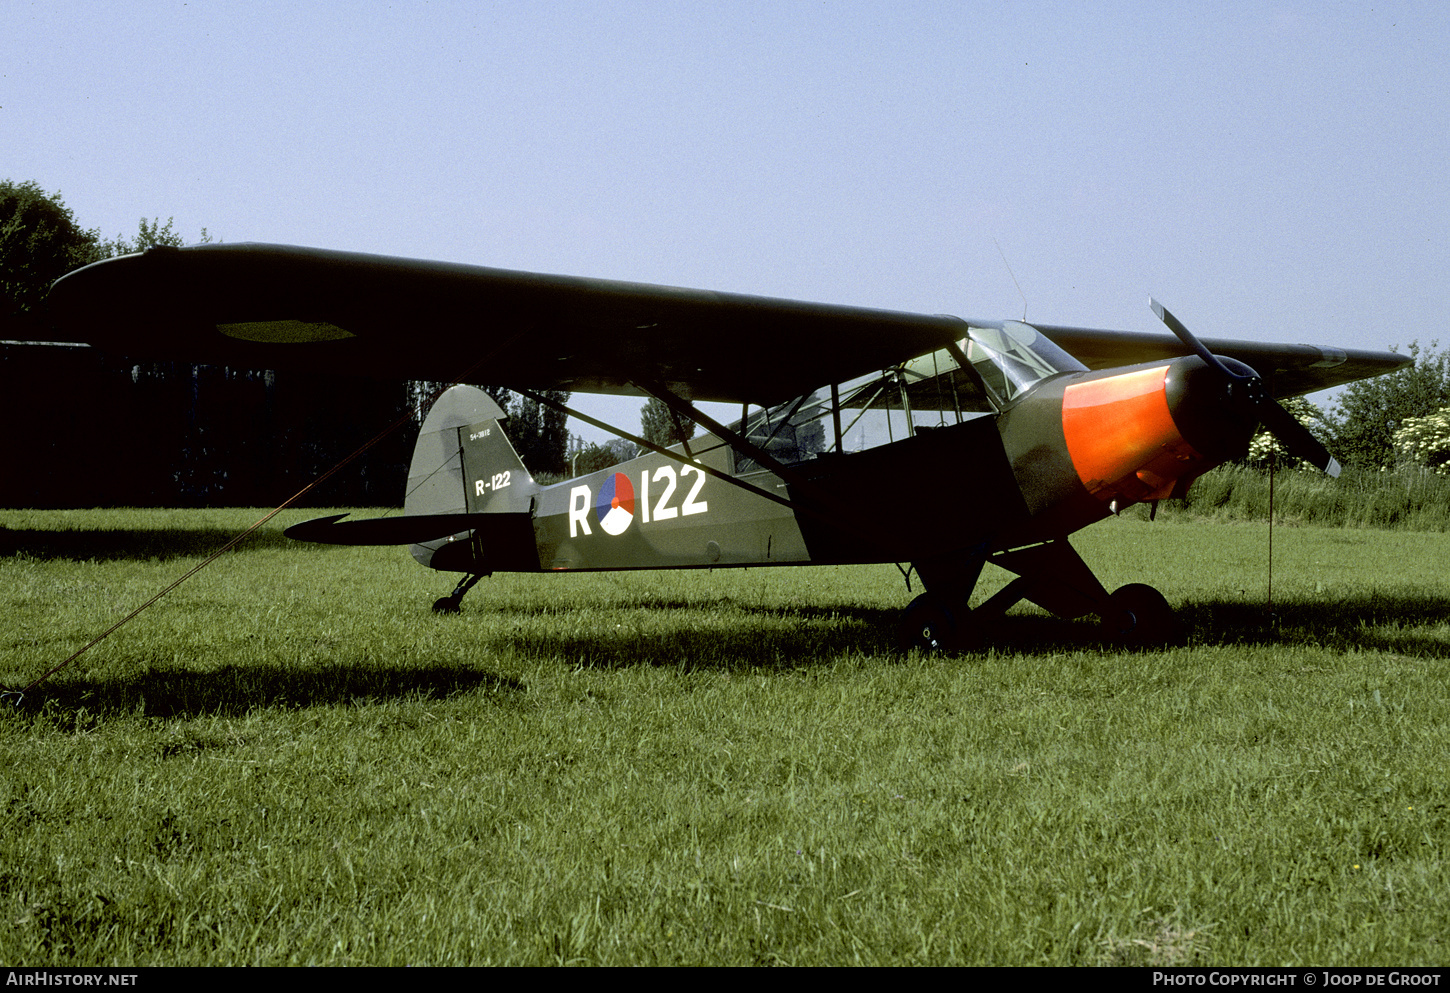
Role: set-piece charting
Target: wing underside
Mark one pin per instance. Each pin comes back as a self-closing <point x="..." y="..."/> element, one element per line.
<point x="272" y="307"/>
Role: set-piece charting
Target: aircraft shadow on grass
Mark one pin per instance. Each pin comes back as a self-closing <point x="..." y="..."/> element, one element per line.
<point x="1409" y="623"/>
<point x="111" y="544"/>
<point x="764" y="639"/>
<point x="815" y="634"/>
<point x="798" y="636"/>
<point x="233" y="691"/>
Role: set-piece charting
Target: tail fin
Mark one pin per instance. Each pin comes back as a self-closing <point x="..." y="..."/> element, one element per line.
<point x="463" y="462"/>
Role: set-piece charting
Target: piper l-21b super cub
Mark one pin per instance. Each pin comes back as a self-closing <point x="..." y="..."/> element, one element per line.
<point x="863" y="435"/>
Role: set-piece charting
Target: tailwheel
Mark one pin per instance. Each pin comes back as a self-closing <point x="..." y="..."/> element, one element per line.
<point x="453" y="602"/>
<point x="1139" y="614"/>
<point x="929" y="624"/>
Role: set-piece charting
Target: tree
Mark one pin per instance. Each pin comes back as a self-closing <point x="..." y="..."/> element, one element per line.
<point x="659" y="424"/>
<point x="1370" y="410"/>
<point x="40" y="242"/>
<point x="148" y="235"/>
<point x="622" y="450"/>
<point x="592" y="457"/>
<point x="540" y="433"/>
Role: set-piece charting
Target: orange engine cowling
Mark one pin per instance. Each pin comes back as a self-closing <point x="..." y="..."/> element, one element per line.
<point x="1147" y="433"/>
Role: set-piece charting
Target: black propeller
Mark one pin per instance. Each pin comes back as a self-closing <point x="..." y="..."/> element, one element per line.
<point x="1253" y="398"/>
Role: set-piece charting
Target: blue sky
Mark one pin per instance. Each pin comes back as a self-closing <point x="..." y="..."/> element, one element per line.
<point x="1269" y="170"/>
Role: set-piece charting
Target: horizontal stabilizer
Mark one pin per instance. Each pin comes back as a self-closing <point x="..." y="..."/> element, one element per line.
<point x="389" y="530"/>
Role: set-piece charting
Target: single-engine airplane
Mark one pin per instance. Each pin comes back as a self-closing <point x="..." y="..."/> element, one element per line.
<point x="863" y="435"/>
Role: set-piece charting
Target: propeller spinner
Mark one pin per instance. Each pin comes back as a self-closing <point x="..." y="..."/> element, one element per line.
<point x="1252" y="398"/>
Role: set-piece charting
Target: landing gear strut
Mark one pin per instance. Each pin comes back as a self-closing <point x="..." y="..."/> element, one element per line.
<point x="453" y="602"/>
<point x="941" y="619"/>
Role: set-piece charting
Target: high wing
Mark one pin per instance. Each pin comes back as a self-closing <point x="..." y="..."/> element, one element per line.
<point x="272" y="306"/>
<point x="1289" y="370"/>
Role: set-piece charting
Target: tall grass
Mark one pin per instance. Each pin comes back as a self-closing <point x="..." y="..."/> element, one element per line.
<point x="1407" y="499"/>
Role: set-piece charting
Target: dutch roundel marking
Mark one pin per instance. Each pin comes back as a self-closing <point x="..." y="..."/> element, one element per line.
<point x="615" y="506"/>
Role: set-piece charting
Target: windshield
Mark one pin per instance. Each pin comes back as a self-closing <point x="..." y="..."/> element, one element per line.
<point x="1012" y="357"/>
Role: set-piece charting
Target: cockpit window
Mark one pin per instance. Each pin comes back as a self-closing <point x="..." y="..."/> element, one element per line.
<point x="790" y="432"/>
<point x="935" y="390"/>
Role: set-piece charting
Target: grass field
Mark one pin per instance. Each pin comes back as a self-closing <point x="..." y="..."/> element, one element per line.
<point x="289" y="760"/>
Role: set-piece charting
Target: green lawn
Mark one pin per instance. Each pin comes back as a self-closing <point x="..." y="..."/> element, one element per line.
<point x="290" y="760"/>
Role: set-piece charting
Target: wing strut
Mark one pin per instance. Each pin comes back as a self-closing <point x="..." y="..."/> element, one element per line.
<point x="660" y="450"/>
<point x="686" y="409"/>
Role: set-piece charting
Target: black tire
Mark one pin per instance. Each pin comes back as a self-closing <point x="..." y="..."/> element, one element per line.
<point x="447" y="605"/>
<point x="927" y="625"/>
<point x="1139" y="615"/>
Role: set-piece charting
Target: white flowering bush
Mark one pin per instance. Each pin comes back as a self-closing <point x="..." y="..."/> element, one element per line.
<point x="1426" y="440"/>
<point x="1265" y="444"/>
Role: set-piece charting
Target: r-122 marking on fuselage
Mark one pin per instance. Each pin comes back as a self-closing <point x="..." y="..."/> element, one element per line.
<point x="581" y="498"/>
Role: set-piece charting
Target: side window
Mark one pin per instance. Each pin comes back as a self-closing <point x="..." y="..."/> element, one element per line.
<point x="940" y="392"/>
<point x="930" y="391"/>
<point x="789" y="432"/>
<point x="936" y="390"/>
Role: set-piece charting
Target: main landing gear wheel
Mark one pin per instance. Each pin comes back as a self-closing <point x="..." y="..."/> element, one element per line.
<point x="447" y="605"/>
<point x="929" y="625"/>
<point x="1139" y="614"/>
